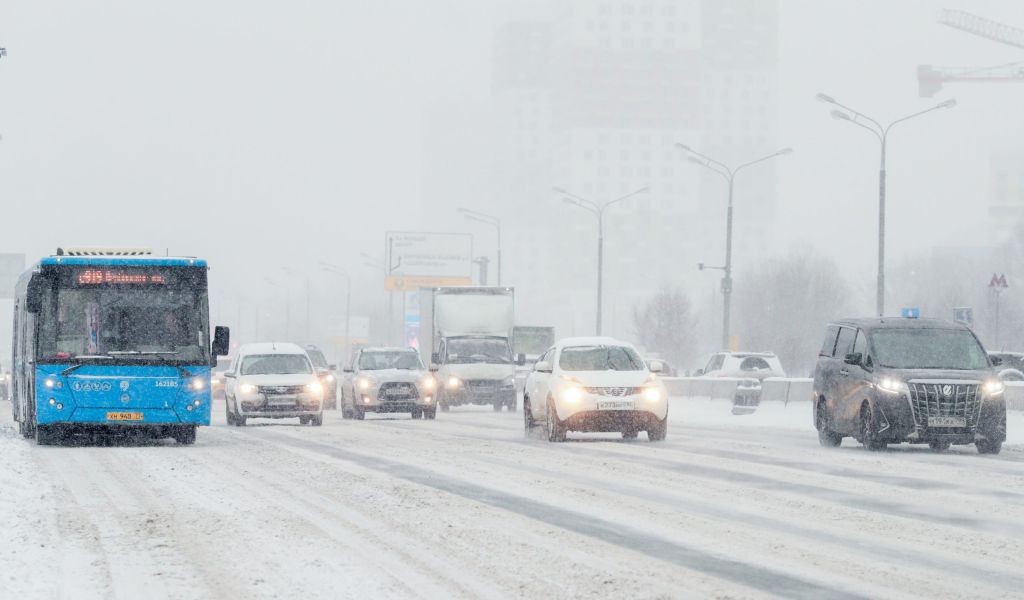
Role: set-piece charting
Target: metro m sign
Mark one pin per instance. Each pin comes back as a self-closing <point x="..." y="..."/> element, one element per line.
<point x="998" y="282"/>
<point x="419" y="259"/>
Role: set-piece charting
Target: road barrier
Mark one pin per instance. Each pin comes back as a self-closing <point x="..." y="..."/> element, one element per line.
<point x="782" y="389"/>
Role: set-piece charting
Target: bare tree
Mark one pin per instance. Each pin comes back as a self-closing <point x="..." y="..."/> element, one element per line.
<point x="665" y="324"/>
<point x="784" y="305"/>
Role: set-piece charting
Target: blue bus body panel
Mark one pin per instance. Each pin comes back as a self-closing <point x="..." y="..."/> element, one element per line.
<point x="92" y="393"/>
<point x="124" y="261"/>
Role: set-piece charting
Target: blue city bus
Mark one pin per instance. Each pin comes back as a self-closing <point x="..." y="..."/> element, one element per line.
<point x="114" y="341"/>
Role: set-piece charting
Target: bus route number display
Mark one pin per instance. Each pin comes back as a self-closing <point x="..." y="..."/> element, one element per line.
<point x="113" y="276"/>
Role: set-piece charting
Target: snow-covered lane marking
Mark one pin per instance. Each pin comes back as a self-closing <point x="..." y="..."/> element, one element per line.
<point x="756" y="577"/>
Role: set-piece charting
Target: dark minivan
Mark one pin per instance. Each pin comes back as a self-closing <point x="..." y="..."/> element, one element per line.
<point x="886" y="381"/>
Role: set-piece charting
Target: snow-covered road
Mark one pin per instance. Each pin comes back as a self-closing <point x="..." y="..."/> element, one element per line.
<point x="464" y="506"/>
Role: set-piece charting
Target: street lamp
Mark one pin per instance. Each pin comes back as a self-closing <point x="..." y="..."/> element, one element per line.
<point x="291" y="271"/>
<point x="489" y="220"/>
<point x="729" y="174"/>
<point x="287" y="306"/>
<point x="347" y="352"/>
<point x="598" y="211"/>
<point x="882" y="133"/>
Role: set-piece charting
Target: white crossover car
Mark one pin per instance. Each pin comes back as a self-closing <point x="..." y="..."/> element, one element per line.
<point x="595" y="384"/>
<point x="275" y="381"/>
<point x="388" y="380"/>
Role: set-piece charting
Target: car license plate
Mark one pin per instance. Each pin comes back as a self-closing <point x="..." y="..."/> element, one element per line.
<point x="396" y="392"/>
<point x="281" y="400"/>
<point x="947" y="422"/>
<point x="615" y="405"/>
<point x="124" y="416"/>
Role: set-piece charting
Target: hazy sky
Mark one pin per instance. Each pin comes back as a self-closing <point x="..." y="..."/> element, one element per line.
<point x="260" y="133"/>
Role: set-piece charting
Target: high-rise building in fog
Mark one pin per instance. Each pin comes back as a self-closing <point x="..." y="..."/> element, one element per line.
<point x="592" y="97"/>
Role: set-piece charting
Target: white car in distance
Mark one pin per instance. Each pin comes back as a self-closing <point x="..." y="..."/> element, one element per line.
<point x="596" y="384"/>
<point x="388" y="380"/>
<point x="273" y="381"/>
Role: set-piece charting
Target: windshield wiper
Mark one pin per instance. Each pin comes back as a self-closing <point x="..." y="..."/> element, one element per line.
<point x="73" y="368"/>
<point x="159" y="355"/>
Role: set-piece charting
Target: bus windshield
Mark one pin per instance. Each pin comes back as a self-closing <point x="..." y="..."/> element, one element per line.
<point x="479" y="350"/>
<point x="132" y="322"/>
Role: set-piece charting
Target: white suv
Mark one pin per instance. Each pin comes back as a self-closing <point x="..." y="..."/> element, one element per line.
<point x="595" y="384"/>
<point x="275" y="381"/>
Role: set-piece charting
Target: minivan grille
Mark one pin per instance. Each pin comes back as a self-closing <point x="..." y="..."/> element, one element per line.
<point x="944" y="399"/>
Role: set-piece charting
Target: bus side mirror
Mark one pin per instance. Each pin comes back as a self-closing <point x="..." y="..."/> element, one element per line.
<point x="221" y="341"/>
<point x="34" y="294"/>
<point x="521" y="359"/>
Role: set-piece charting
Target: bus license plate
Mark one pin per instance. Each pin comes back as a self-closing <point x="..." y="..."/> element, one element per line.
<point x="615" y="405"/>
<point x="947" y="422"/>
<point x="124" y="416"/>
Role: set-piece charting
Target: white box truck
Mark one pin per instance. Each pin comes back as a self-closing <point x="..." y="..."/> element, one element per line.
<point x="470" y="344"/>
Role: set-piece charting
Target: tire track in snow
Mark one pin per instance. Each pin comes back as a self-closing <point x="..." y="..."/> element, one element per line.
<point x="756" y="577"/>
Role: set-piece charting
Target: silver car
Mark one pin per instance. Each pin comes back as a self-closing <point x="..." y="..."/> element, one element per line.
<point x="388" y="380"/>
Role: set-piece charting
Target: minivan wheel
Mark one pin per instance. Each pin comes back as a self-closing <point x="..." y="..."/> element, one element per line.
<point x="826" y="437"/>
<point x="988" y="446"/>
<point x="869" y="429"/>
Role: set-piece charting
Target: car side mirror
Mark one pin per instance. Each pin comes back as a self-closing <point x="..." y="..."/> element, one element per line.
<point x="221" y="342"/>
<point x="435" y="358"/>
<point x="543" y="367"/>
<point x="854" y="358"/>
<point x="657" y="366"/>
<point x="996" y="361"/>
<point x="348" y="370"/>
<point x="229" y="374"/>
<point x="521" y="359"/>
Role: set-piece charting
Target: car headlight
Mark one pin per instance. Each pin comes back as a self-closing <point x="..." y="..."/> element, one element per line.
<point x="454" y="383"/>
<point x="248" y="388"/>
<point x="653" y="394"/>
<point x="364" y="383"/>
<point x="314" y="387"/>
<point x="329" y="378"/>
<point x="572" y="394"/>
<point x="428" y="383"/>
<point x="891" y="385"/>
<point x="994" y="387"/>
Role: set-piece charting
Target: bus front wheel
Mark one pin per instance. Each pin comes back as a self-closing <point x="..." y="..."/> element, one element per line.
<point x="185" y="435"/>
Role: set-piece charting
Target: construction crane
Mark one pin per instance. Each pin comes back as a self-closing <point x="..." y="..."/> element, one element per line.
<point x="931" y="79"/>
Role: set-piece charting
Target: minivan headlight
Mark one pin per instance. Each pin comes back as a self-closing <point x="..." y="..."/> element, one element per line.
<point x="892" y="385"/>
<point x="994" y="387"/>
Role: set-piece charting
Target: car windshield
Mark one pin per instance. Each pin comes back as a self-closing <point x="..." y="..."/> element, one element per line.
<point x="318" y="358"/>
<point x="928" y="349"/>
<point x="479" y="350"/>
<point x="275" y="364"/>
<point x="600" y="358"/>
<point x="375" y="361"/>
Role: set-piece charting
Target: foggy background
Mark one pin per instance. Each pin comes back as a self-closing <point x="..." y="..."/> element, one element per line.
<point x="271" y="137"/>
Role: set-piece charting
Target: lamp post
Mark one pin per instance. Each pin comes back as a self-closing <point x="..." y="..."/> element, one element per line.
<point x="882" y="133"/>
<point x="598" y="211"/>
<point x="287" y="307"/>
<point x="729" y="174"/>
<point x="489" y="220"/>
<point x="347" y="348"/>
